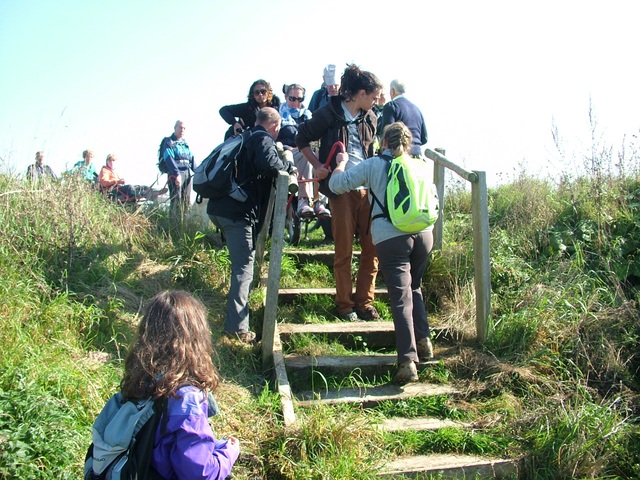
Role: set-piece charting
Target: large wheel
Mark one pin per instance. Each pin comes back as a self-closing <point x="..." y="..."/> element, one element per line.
<point x="297" y="227"/>
<point x="292" y="223"/>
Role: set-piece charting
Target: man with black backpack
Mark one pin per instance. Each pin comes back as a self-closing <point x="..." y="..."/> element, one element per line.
<point x="176" y="160"/>
<point x="242" y="220"/>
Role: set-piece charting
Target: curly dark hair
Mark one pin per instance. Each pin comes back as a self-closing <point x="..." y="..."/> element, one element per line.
<point x="173" y="349"/>
<point x="353" y="80"/>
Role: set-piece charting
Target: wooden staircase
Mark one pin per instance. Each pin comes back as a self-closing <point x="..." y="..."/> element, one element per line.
<point x="377" y="335"/>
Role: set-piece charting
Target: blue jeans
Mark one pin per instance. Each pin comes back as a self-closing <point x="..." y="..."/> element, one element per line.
<point x="242" y="251"/>
<point x="403" y="261"/>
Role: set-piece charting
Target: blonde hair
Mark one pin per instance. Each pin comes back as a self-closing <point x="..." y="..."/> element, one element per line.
<point x="173" y="349"/>
<point x="398" y="138"/>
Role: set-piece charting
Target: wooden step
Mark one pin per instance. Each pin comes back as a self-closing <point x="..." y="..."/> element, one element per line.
<point x="398" y="424"/>
<point x="376" y="334"/>
<point x="368" y="397"/>
<point x="319" y="256"/>
<point x="304" y="369"/>
<point x="451" y="466"/>
<point x="289" y="294"/>
<point x="367" y="365"/>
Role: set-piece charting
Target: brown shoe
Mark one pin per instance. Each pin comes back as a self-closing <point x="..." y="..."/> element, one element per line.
<point x="368" y="313"/>
<point x="425" y="348"/>
<point x="407" y="372"/>
<point x="245" y="337"/>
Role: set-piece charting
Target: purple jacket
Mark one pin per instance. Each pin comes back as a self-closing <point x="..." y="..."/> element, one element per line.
<point x="187" y="449"/>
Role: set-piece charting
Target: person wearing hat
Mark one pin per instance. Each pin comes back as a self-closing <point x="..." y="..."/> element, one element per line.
<point x="330" y="87"/>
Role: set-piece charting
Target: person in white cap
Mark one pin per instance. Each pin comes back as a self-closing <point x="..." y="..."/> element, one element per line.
<point x="330" y="87"/>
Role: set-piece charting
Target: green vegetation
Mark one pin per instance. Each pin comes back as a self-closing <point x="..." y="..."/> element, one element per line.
<point x="557" y="379"/>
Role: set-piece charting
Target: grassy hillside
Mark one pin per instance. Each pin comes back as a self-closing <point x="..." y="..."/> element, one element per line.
<point x="559" y="372"/>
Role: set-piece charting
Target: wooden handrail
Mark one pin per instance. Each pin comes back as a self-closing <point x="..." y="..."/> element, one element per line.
<point x="480" y="217"/>
<point x="442" y="160"/>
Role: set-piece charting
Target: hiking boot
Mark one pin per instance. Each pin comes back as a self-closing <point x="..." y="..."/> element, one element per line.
<point x="348" y="316"/>
<point x="304" y="210"/>
<point x="407" y="372"/>
<point x="321" y="211"/>
<point x="368" y="313"/>
<point x="244" y="337"/>
<point x="425" y="348"/>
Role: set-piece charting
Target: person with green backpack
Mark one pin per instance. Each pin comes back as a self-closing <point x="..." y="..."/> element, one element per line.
<point x="402" y="232"/>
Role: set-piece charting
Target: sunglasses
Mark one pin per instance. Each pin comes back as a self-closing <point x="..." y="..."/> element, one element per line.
<point x="296" y="99"/>
<point x="262" y="91"/>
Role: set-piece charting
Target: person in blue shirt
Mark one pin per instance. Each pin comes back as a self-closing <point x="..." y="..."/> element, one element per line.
<point x="400" y="109"/>
<point x="330" y="88"/>
<point x="179" y="163"/>
<point x="85" y="168"/>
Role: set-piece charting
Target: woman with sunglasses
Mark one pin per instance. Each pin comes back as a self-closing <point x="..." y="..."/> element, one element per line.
<point x="242" y="116"/>
<point x="293" y="113"/>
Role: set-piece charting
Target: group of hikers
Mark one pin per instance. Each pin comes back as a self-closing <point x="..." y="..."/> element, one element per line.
<point x="171" y="358"/>
<point x="106" y="180"/>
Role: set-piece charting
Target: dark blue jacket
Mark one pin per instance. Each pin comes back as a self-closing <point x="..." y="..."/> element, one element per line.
<point x="402" y="110"/>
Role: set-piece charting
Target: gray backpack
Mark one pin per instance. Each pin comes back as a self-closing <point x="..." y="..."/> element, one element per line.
<point x="123" y="435"/>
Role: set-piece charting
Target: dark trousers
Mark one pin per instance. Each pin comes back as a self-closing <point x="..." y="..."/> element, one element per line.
<point x="403" y="261"/>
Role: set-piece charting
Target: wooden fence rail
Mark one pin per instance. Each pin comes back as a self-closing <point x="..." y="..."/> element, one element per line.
<point x="480" y="218"/>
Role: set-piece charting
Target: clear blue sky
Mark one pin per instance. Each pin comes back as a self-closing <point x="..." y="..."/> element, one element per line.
<point x="491" y="77"/>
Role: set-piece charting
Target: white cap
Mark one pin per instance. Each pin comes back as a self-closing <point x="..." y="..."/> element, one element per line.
<point x="329" y="75"/>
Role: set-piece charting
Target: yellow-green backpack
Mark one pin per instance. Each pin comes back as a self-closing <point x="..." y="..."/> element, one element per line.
<point x="411" y="199"/>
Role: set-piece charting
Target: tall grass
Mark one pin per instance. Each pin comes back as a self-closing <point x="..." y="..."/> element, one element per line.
<point x="556" y="380"/>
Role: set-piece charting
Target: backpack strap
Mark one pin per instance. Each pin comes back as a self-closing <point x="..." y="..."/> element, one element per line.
<point x="383" y="206"/>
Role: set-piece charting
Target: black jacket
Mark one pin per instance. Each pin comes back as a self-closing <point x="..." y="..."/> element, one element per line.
<point x="329" y="125"/>
<point x="258" y="165"/>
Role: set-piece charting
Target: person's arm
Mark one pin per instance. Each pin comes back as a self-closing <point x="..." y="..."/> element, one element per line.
<point x="309" y="131"/>
<point x="388" y="116"/>
<point x="343" y="182"/>
<point x="423" y="134"/>
<point x="232" y="113"/>
<point x="197" y="454"/>
<point x="267" y="160"/>
<point x="169" y="157"/>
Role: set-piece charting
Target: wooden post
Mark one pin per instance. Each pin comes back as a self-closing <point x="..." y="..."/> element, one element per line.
<point x="275" y="265"/>
<point x="438" y="179"/>
<point x="481" y="259"/>
<point x="261" y="241"/>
